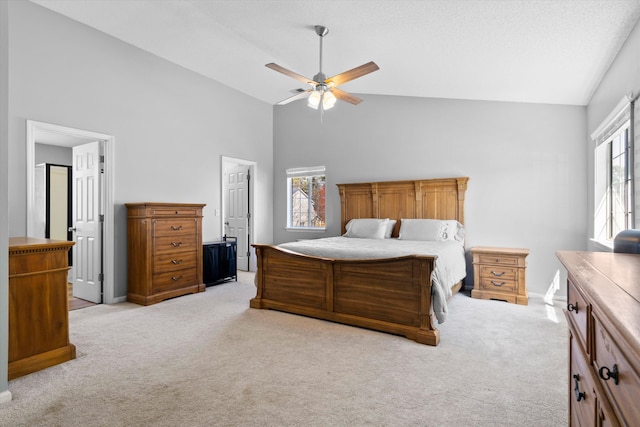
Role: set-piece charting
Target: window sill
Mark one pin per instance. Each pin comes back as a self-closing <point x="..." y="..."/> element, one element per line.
<point x="306" y="230"/>
<point x="601" y="245"/>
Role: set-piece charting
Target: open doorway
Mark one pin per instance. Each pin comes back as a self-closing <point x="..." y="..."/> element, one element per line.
<point x="96" y="246"/>
<point x="238" y="208"/>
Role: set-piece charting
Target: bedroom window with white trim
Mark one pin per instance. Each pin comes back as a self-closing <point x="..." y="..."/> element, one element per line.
<point x="306" y="198"/>
<point x="614" y="198"/>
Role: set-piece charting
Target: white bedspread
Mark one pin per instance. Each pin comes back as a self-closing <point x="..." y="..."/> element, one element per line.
<point x="450" y="265"/>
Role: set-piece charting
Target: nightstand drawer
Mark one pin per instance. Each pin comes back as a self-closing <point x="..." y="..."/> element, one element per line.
<point x="498" y="259"/>
<point x="498" y="272"/>
<point x="498" y="285"/>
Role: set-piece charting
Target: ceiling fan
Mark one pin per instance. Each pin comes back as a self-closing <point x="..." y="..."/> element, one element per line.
<point x="324" y="91"/>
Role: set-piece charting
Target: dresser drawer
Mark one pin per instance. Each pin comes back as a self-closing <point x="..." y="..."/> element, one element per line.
<point x="498" y="259"/>
<point x="174" y="280"/>
<point x="578" y="313"/>
<point x="168" y="244"/>
<point x="582" y="399"/>
<point x="174" y="211"/>
<point x="173" y="227"/>
<point x="174" y="261"/>
<point x="611" y="363"/>
<point x="498" y="285"/>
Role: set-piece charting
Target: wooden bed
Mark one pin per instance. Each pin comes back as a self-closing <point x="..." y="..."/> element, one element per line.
<point x="391" y="295"/>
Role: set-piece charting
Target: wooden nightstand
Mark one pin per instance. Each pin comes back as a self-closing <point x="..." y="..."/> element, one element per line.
<point x="500" y="273"/>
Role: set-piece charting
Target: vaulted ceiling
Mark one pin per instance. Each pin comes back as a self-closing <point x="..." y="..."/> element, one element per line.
<point x="540" y="51"/>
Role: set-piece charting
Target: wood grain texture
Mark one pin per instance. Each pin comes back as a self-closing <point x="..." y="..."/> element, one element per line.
<point x="38" y="305"/>
<point x="500" y="274"/>
<point x="164" y="251"/>
<point x="390" y="295"/>
<point x="603" y="314"/>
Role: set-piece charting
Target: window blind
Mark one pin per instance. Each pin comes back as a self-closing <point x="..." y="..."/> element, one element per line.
<point x="307" y="171"/>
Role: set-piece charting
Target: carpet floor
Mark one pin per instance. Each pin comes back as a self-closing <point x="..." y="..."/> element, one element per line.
<point x="209" y="360"/>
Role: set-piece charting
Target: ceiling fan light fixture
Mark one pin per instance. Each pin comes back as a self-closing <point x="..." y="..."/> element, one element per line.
<point x="328" y="100"/>
<point x="314" y="99"/>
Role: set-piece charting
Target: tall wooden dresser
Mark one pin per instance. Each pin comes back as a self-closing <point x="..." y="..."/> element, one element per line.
<point x="603" y="314"/>
<point x="164" y="251"/>
<point x="38" y="305"/>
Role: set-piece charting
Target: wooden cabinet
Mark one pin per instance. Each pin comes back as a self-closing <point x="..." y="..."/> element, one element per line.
<point x="164" y="251"/>
<point x="38" y="305"/>
<point x="500" y="273"/>
<point x="603" y="314"/>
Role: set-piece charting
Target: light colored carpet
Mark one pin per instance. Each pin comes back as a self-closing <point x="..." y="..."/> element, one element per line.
<point x="210" y="360"/>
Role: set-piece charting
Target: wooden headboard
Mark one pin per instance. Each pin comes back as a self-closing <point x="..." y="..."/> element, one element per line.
<point x="425" y="198"/>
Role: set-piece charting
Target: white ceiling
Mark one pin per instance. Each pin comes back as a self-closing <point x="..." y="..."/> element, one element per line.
<point x="541" y="51"/>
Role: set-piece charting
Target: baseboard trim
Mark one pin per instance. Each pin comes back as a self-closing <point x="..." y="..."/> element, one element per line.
<point x="5" y="396"/>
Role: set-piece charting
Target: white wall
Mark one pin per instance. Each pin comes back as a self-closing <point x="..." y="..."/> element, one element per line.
<point x="54" y="154"/>
<point x="622" y="78"/>
<point x="171" y="125"/>
<point x="526" y="164"/>
<point x="4" y="203"/>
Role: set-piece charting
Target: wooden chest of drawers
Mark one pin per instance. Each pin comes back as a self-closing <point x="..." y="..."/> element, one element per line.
<point x="500" y="273"/>
<point x="603" y="314"/>
<point x="164" y="251"/>
<point x="38" y="305"/>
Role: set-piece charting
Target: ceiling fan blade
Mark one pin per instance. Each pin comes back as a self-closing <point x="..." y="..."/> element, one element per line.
<point x="290" y="73"/>
<point x="295" y="97"/>
<point x="344" y="96"/>
<point x="347" y="76"/>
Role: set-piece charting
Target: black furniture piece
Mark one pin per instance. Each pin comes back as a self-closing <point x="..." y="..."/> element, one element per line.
<point x="219" y="261"/>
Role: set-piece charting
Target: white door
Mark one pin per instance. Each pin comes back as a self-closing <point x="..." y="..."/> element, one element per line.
<point x="86" y="274"/>
<point x="236" y="217"/>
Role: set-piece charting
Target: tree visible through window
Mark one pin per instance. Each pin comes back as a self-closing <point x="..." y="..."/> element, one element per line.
<point x="306" y="194"/>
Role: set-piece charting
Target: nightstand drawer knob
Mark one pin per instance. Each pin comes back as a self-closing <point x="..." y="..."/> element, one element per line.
<point x="606" y="373"/>
<point x="573" y="307"/>
<point x="494" y="283"/>
<point x="497" y="274"/>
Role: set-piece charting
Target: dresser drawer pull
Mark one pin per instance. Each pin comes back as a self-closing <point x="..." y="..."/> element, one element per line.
<point x="573" y="307"/>
<point x="176" y="244"/>
<point x="175" y="279"/>
<point x="494" y="283"/>
<point x="606" y="373"/>
<point x="176" y="228"/>
<point x="576" y="390"/>
<point x="497" y="274"/>
<point x="176" y="261"/>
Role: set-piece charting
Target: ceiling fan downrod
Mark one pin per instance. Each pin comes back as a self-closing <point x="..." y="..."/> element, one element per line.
<point x="321" y="31"/>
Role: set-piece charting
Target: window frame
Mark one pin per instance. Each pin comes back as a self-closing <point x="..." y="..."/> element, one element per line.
<point x="310" y="173"/>
<point x="619" y="123"/>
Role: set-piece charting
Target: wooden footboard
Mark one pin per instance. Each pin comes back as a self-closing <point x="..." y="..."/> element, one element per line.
<point x="390" y="295"/>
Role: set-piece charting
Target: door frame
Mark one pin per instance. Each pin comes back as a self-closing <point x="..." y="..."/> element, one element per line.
<point x="252" y="166"/>
<point x="108" y="241"/>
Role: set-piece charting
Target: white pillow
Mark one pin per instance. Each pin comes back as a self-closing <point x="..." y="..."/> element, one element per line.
<point x="367" y="228"/>
<point x="431" y="229"/>
<point x="390" y="225"/>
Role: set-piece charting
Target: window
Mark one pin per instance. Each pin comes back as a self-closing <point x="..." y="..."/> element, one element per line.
<point x="614" y="210"/>
<point x="306" y="198"/>
<point x="619" y="200"/>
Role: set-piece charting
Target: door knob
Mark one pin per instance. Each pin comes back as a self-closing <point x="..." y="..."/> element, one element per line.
<point x="71" y="229"/>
